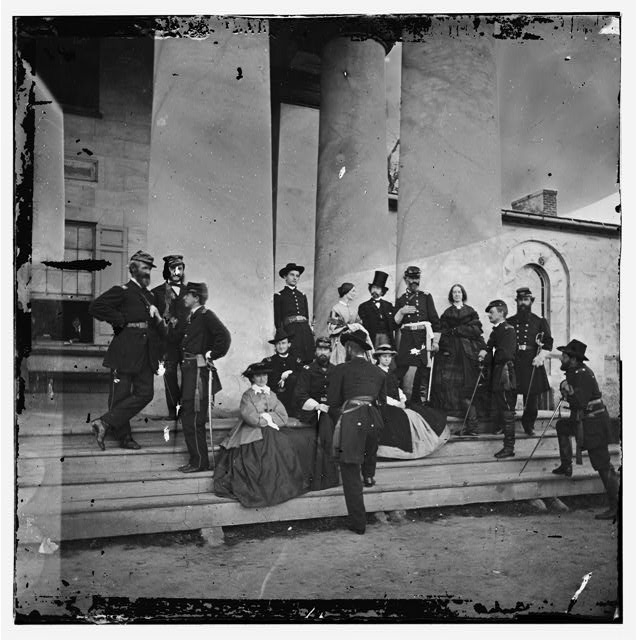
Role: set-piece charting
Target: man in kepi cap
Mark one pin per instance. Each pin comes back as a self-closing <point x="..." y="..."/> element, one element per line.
<point x="588" y="422"/>
<point x="534" y="342"/>
<point x="498" y="358"/>
<point x="419" y="324"/>
<point x="291" y="312"/>
<point x="355" y="392"/>
<point x="376" y="314"/>
<point x="205" y="339"/>
<point x="169" y="299"/>
<point x="134" y="353"/>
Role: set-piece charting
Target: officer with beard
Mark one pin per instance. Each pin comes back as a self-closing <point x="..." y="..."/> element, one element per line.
<point x="169" y="299"/>
<point x="531" y="330"/>
<point x="311" y="401"/>
<point x="135" y="351"/>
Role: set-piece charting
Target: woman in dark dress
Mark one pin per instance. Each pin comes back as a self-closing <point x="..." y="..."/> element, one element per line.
<point x="457" y="368"/>
<point x="259" y="464"/>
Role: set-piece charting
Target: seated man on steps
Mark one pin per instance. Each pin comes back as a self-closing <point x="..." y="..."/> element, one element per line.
<point x="590" y="418"/>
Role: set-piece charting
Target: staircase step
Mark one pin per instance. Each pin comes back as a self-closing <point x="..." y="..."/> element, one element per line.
<point x="182" y="513"/>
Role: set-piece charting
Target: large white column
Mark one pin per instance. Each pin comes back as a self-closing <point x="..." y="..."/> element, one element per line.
<point x="449" y="214"/>
<point x="210" y="183"/>
<point x="355" y="233"/>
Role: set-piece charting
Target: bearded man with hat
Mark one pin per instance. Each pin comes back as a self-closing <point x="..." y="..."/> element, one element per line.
<point x="291" y="312"/>
<point x="589" y="423"/>
<point x="135" y="351"/>
<point x="419" y="324"/>
<point x="311" y="403"/>
<point x="283" y="367"/>
<point x="205" y="340"/>
<point x="169" y="299"/>
<point x="534" y="342"/>
<point x="356" y="390"/>
<point x="376" y="314"/>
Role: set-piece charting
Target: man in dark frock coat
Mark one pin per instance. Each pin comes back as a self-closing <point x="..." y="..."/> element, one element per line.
<point x="134" y="353"/>
<point x="310" y="395"/>
<point x="284" y="365"/>
<point x="529" y="357"/>
<point x="376" y="314"/>
<point x="205" y="339"/>
<point x="356" y="390"/>
<point x="413" y="309"/>
<point x="291" y="312"/>
<point x="169" y="299"/>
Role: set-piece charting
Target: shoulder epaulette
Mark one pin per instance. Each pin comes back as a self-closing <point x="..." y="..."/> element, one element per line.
<point x="124" y="286"/>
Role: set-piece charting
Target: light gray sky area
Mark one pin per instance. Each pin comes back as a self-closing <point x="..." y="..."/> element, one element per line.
<point x="559" y="110"/>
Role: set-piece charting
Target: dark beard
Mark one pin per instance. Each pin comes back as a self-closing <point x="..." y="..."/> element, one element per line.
<point x="524" y="311"/>
<point x="176" y="280"/>
<point x="322" y="360"/>
<point x="564" y="366"/>
<point x="143" y="280"/>
<point x="376" y="295"/>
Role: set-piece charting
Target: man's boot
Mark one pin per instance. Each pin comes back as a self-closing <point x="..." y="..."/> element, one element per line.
<point x="509" y="436"/>
<point x="566" y="457"/>
<point x="611" y="484"/>
<point x="471" y="426"/>
<point x="494" y="418"/>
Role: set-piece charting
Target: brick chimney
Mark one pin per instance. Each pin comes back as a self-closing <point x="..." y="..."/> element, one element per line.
<point x="543" y="202"/>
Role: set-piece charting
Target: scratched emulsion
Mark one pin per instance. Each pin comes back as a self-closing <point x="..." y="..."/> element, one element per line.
<point x="431" y="608"/>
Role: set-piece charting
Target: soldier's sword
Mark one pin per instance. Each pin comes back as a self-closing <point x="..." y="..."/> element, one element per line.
<point x="537" y="444"/>
<point x="473" y="395"/>
<point x="540" y="344"/>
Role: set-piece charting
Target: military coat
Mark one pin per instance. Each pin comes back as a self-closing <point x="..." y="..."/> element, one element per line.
<point x="410" y="339"/>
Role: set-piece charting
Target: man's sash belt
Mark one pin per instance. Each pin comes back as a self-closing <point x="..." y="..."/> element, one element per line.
<point x="594" y="408"/>
<point x="414" y="326"/>
<point x="292" y="319"/>
<point x="136" y="325"/>
<point x="355" y="403"/>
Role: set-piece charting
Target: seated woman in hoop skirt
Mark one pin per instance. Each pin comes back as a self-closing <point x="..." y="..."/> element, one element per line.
<point x="260" y="460"/>
<point x="407" y="433"/>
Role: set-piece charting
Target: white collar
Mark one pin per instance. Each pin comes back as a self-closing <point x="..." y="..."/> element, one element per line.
<point x="346" y="304"/>
<point x="498" y="324"/>
<point x="456" y="305"/>
<point x="385" y="369"/>
<point x="264" y="389"/>
<point x="193" y="309"/>
<point x="289" y="286"/>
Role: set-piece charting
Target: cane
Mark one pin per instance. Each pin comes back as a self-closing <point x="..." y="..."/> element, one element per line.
<point x="473" y="395"/>
<point x="210" y="400"/>
<point x="540" y="344"/>
<point x="537" y="444"/>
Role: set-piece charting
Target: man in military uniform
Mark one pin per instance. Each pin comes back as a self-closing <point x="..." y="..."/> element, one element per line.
<point x="134" y="353"/>
<point x="534" y="341"/>
<point x="499" y="360"/>
<point x="284" y="365"/>
<point x="291" y="312"/>
<point x="311" y="402"/>
<point x="169" y="299"/>
<point x="376" y="314"/>
<point x="419" y="324"/>
<point x="205" y="339"/>
<point x="355" y="391"/>
<point x="589" y="423"/>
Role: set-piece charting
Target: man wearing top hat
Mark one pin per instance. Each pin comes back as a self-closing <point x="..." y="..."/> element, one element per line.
<point x="205" y="339"/>
<point x="534" y="342"/>
<point x="356" y="390"/>
<point x="419" y="324"/>
<point x="589" y="423"/>
<point x="284" y="365"/>
<point x="376" y="314"/>
<point x="169" y="299"/>
<point x="134" y="353"/>
<point x="291" y="312"/>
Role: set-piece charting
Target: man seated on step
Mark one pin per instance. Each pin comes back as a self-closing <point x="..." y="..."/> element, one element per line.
<point x="205" y="339"/>
<point x="283" y="365"/>
<point x="589" y="423"/>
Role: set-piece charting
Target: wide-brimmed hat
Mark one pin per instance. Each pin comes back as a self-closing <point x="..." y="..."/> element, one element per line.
<point x="412" y="272"/>
<point x="495" y="303"/>
<point x="323" y="341"/>
<point x="345" y="288"/>
<point x="281" y="334"/>
<point x="575" y="348"/>
<point x="523" y="292"/>
<point x="358" y="336"/>
<point x="143" y="256"/>
<point x="255" y="368"/>
<point x="198" y="289"/>
<point x="384" y="350"/>
<point x="380" y="280"/>
<point x="291" y="266"/>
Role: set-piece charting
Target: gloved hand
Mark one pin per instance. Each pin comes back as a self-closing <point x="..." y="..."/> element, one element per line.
<point x="538" y="361"/>
<point x="566" y="389"/>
